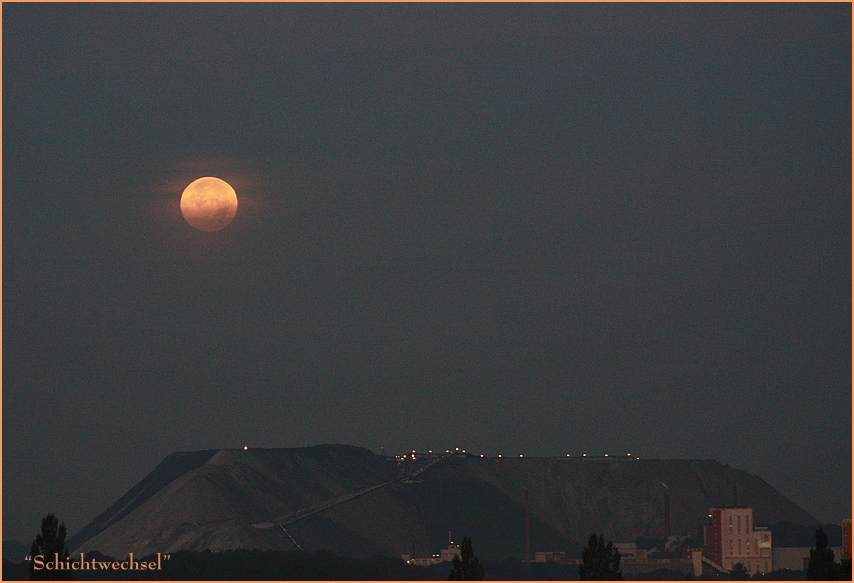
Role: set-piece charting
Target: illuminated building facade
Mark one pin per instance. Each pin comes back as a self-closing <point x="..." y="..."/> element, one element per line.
<point x="732" y="538"/>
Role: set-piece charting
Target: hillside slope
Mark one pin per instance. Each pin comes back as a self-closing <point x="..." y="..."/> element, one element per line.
<point x="209" y="500"/>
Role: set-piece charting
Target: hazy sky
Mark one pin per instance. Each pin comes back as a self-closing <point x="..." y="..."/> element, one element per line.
<point x="537" y="229"/>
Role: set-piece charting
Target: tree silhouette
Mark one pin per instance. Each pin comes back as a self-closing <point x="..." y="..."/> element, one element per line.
<point x="49" y="543"/>
<point x="467" y="567"/>
<point x="739" y="572"/>
<point x="821" y="566"/>
<point x="600" y="562"/>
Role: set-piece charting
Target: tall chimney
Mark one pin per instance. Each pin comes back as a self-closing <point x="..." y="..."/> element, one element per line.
<point x="667" y="515"/>
<point x="527" y="530"/>
<point x="735" y="495"/>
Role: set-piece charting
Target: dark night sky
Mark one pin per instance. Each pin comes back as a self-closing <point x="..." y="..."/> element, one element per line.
<point x="537" y="229"/>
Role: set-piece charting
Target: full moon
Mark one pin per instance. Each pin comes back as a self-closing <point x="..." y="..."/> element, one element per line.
<point x="209" y="204"/>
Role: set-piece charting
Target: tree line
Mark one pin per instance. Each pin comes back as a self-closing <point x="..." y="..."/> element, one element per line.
<point x="600" y="561"/>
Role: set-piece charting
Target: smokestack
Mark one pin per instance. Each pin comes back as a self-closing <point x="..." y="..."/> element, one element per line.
<point x="734" y="495"/>
<point x="666" y="515"/>
<point x="527" y="531"/>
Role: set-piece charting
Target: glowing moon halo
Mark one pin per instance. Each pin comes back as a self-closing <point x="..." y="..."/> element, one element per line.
<point x="209" y="204"/>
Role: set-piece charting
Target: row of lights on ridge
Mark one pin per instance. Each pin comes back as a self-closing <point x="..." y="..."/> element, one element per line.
<point x="458" y="450"/>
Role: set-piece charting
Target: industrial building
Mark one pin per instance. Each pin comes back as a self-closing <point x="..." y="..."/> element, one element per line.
<point x="444" y="555"/>
<point x="554" y="557"/>
<point x="732" y="538"/>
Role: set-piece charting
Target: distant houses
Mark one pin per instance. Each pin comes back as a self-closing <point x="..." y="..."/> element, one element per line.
<point x="444" y="555"/>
